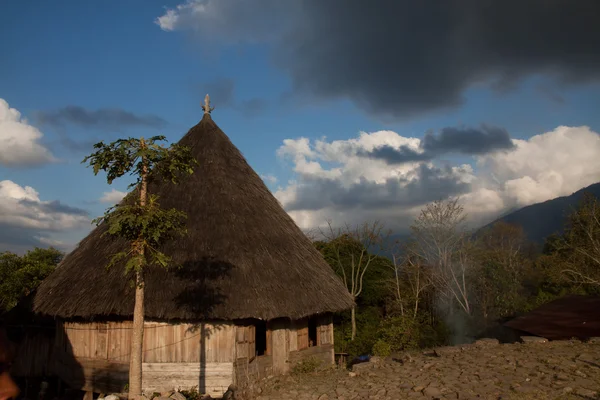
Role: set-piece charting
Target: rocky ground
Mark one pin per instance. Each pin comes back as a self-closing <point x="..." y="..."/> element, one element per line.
<point x="536" y="369"/>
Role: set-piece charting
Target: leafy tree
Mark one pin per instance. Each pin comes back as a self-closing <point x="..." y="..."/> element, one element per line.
<point x="499" y="280"/>
<point x="21" y="275"/>
<point x="139" y="219"/>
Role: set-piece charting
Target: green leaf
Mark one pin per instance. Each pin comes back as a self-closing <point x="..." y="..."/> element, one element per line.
<point x="145" y="228"/>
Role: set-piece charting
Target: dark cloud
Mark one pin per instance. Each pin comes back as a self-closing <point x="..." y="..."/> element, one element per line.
<point x="222" y="94"/>
<point x="17" y="239"/>
<point x="252" y="107"/>
<point x="77" y="145"/>
<point x="20" y="240"/>
<point x="551" y="93"/>
<point x="464" y="140"/>
<point x="54" y="207"/>
<point x="430" y="184"/>
<point x="104" y="118"/>
<point x="403" y="58"/>
<point x="392" y="155"/>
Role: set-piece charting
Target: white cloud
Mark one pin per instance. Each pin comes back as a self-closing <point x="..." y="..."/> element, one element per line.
<point x="269" y="178"/>
<point x="26" y="220"/>
<point x="334" y="180"/>
<point x="233" y="21"/>
<point x="19" y="141"/>
<point x="548" y="165"/>
<point x="112" y="197"/>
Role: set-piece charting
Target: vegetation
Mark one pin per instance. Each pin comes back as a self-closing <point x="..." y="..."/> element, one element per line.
<point x="140" y="220"/>
<point x="352" y="251"/>
<point x="444" y="285"/>
<point x="307" y="366"/>
<point x="191" y="394"/>
<point x="21" y="275"/>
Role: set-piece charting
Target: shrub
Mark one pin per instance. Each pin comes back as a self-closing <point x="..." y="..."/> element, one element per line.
<point x="381" y="348"/>
<point x="306" y="366"/>
<point x="191" y="394"/>
<point x="406" y="333"/>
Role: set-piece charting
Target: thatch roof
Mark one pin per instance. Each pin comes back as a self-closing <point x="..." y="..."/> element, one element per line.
<point x="565" y="318"/>
<point x="243" y="256"/>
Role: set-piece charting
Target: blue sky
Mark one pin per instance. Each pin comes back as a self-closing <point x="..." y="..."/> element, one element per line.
<point x="113" y="55"/>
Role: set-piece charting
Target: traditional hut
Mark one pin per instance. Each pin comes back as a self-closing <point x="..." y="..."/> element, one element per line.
<point x="251" y="295"/>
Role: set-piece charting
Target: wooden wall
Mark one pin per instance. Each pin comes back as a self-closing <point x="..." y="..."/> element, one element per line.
<point x="245" y="342"/>
<point x="175" y="355"/>
<point x="95" y="356"/>
<point x="33" y="354"/>
<point x="163" y="343"/>
<point x="322" y="350"/>
<point x="287" y="343"/>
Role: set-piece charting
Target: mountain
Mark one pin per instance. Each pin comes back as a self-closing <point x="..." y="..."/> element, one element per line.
<point x="543" y="219"/>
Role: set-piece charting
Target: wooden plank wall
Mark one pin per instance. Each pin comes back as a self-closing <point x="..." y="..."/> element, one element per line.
<point x="167" y="343"/>
<point x="92" y="375"/>
<point x="214" y="377"/>
<point x="33" y="355"/>
<point x="95" y="356"/>
<point x="280" y="340"/>
<point x="178" y="350"/>
<point x="245" y="344"/>
<point x="293" y="336"/>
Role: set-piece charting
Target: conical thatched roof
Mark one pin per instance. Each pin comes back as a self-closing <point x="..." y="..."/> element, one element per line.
<point x="243" y="256"/>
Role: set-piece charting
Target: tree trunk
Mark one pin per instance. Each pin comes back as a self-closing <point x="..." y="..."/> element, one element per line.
<point x="353" y="318"/>
<point x="137" y="340"/>
<point x="137" y="334"/>
<point x="416" y="309"/>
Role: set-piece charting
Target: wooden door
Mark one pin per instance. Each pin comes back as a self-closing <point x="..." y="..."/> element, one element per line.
<point x="302" y="329"/>
<point x="251" y="340"/>
<point x="241" y="343"/>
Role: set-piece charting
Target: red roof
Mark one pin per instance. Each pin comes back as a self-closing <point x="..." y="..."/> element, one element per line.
<point x="565" y="318"/>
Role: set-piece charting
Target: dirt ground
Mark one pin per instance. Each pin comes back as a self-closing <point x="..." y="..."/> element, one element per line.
<point x="484" y="370"/>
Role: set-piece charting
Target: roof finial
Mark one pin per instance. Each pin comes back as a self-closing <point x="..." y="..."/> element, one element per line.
<point x="206" y="107"/>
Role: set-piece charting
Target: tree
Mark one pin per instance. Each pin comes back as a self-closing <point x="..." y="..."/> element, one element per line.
<point x="353" y="250"/>
<point x="442" y="244"/>
<point x="21" y="275"/>
<point x="411" y="279"/>
<point x="580" y="244"/>
<point x="502" y="266"/>
<point x="140" y="220"/>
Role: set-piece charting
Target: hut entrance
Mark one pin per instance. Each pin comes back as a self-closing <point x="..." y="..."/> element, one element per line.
<point x="261" y="338"/>
<point x="312" y="332"/>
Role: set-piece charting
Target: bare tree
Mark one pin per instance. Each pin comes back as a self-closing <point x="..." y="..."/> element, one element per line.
<point x="411" y="279"/>
<point x="582" y="241"/>
<point x="397" y="284"/>
<point x="441" y="243"/>
<point x="353" y="249"/>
